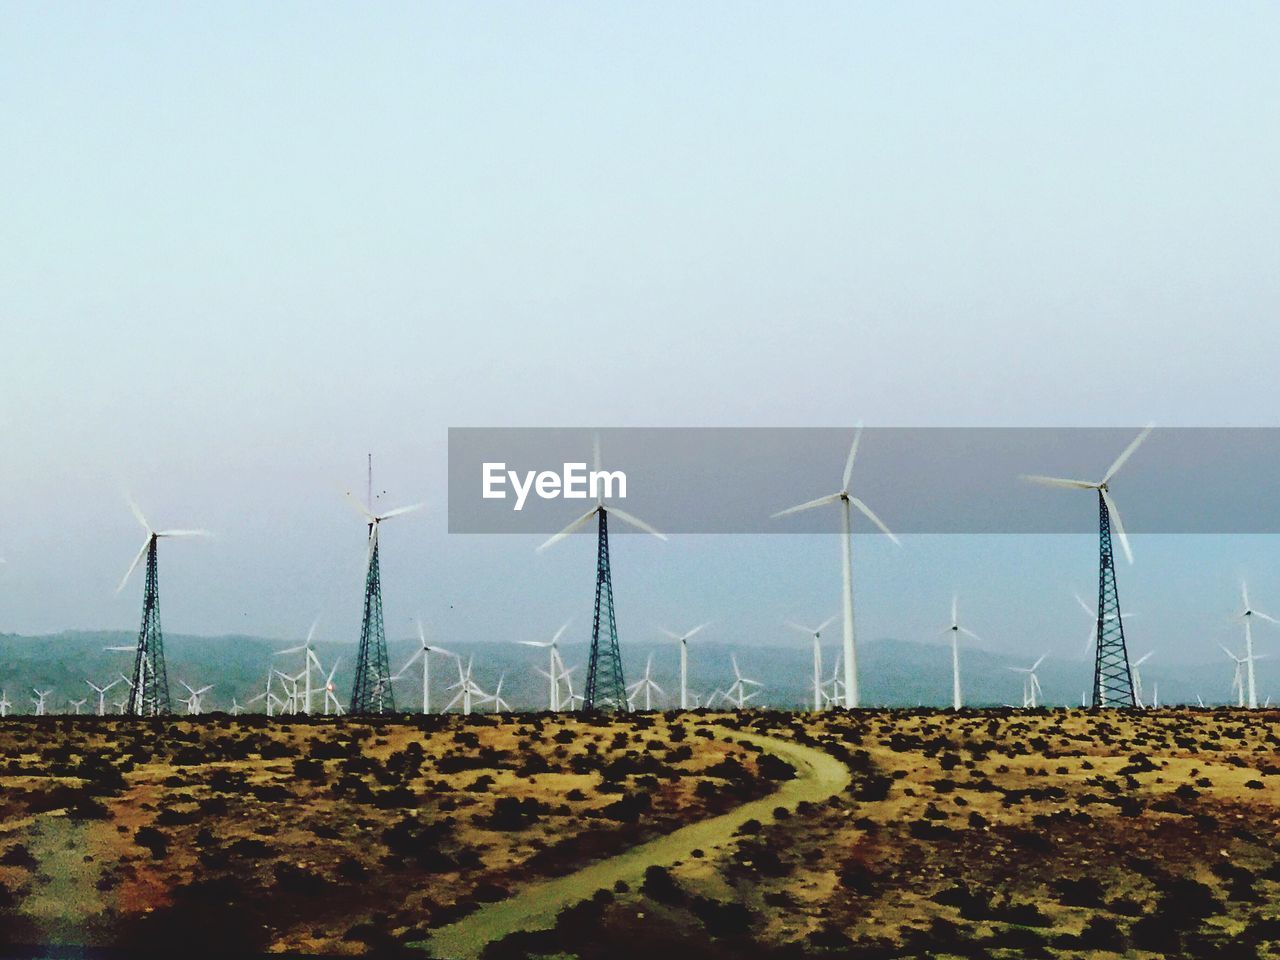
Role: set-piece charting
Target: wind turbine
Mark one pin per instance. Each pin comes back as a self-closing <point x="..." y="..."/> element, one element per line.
<point x="5" y="703"/>
<point x="816" y="633"/>
<point x="195" y="702"/>
<point x="309" y="658"/>
<point x="646" y="686"/>
<point x="1247" y="615"/>
<point x="1137" y="678"/>
<point x="424" y="652"/>
<point x="78" y="704"/>
<point x="330" y="697"/>
<point x="1092" y="614"/>
<point x="236" y="708"/>
<point x="150" y="684"/>
<point x="555" y="672"/>
<point x="955" y="630"/>
<point x="737" y="692"/>
<point x="1030" y="683"/>
<point x="845" y="499"/>
<point x="835" y="683"/>
<point x="1112" y="680"/>
<point x="468" y="690"/>
<point x="1237" y="677"/>
<point x="606" y="688"/>
<point x="683" y="640"/>
<point x="371" y="692"/>
<point x="499" y="705"/>
<point x="102" y="693"/>
<point x="39" y="700"/>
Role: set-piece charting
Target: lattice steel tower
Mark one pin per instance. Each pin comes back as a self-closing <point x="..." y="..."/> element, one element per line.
<point x="605" y="687"/>
<point x="372" y="691"/>
<point x="1112" y="679"/>
<point x="150" y="694"/>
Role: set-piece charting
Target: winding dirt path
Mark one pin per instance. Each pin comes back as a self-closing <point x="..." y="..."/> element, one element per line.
<point x="535" y="907"/>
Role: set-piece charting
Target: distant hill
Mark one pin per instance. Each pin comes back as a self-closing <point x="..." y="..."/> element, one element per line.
<point x="892" y="672"/>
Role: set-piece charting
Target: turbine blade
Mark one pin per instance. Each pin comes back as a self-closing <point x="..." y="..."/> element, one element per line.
<point x="137" y="513"/>
<point x="955" y="610"/>
<point x="1128" y="451"/>
<point x="400" y="511"/>
<point x="636" y="522"/>
<point x="183" y="533"/>
<point x="874" y="519"/>
<point x="698" y="629"/>
<point x="1085" y="607"/>
<point x="1118" y="524"/>
<point x="298" y="649"/>
<point x="1265" y="616"/>
<point x="1059" y="482"/>
<point x="1036" y="665"/>
<point x="571" y="528"/>
<point x="820" y="502"/>
<point x="970" y="634"/>
<point x="853" y="453"/>
<point x="134" y="566"/>
<point x="359" y="507"/>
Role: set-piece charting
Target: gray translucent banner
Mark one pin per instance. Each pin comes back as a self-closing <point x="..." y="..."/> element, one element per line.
<point x="917" y="480"/>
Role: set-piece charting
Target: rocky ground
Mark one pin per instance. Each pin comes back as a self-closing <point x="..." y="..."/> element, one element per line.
<point x="983" y="834"/>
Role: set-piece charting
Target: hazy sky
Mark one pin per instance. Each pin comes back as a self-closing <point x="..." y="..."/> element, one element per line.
<point x="243" y="245"/>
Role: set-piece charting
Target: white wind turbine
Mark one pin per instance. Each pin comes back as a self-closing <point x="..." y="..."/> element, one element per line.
<point x="309" y="659"/>
<point x="102" y="694"/>
<point x="424" y="652"/>
<point x="195" y="702"/>
<point x="819" y="697"/>
<point x="330" y="696"/>
<point x="646" y="686"/>
<point x="955" y="630"/>
<point x="5" y="703"/>
<point x="555" y="672"/>
<point x="1237" y="677"/>
<point x="39" y="700"/>
<point x="1247" y="614"/>
<point x="683" y="640"/>
<point x="844" y="499"/>
<point x="836" y="693"/>
<point x="737" y="692"/>
<point x="495" y="698"/>
<point x="78" y="704"/>
<point x="469" y="692"/>
<point x="1137" y="677"/>
<point x="1030" y="684"/>
<point x="1092" y="614"/>
<point x="236" y="708"/>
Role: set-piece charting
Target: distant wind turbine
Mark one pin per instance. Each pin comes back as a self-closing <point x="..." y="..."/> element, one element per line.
<point x="683" y="639"/>
<point x="955" y="630"/>
<point x="819" y="698"/>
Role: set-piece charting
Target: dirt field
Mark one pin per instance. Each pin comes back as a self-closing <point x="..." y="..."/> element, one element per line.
<point x="1006" y="834"/>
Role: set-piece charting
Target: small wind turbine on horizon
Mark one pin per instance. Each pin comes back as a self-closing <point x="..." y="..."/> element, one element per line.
<point x="737" y="692"/>
<point x="1137" y="678"/>
<point x="194" y="702"/>
<point x="683" y="639"/>
<point x="102" y="693"/>
<point x="78" y="704"/>
<point x="845" y="499"/>
<point x="330" y="693"/>
<point x="40" y="698"/>
<point x="1246" y="615"/>
<point x="5" y="703"/>
<point x="819" y="697"/>
<point x="1030" y="684"/>
<point x="308" y="660"/>
<point x="646" y="686"/>
<point x="424" y="652"/>
<point x="555" y="673"/>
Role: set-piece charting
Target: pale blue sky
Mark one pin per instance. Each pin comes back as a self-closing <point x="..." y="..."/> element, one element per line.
<point x="241" y="245"/>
